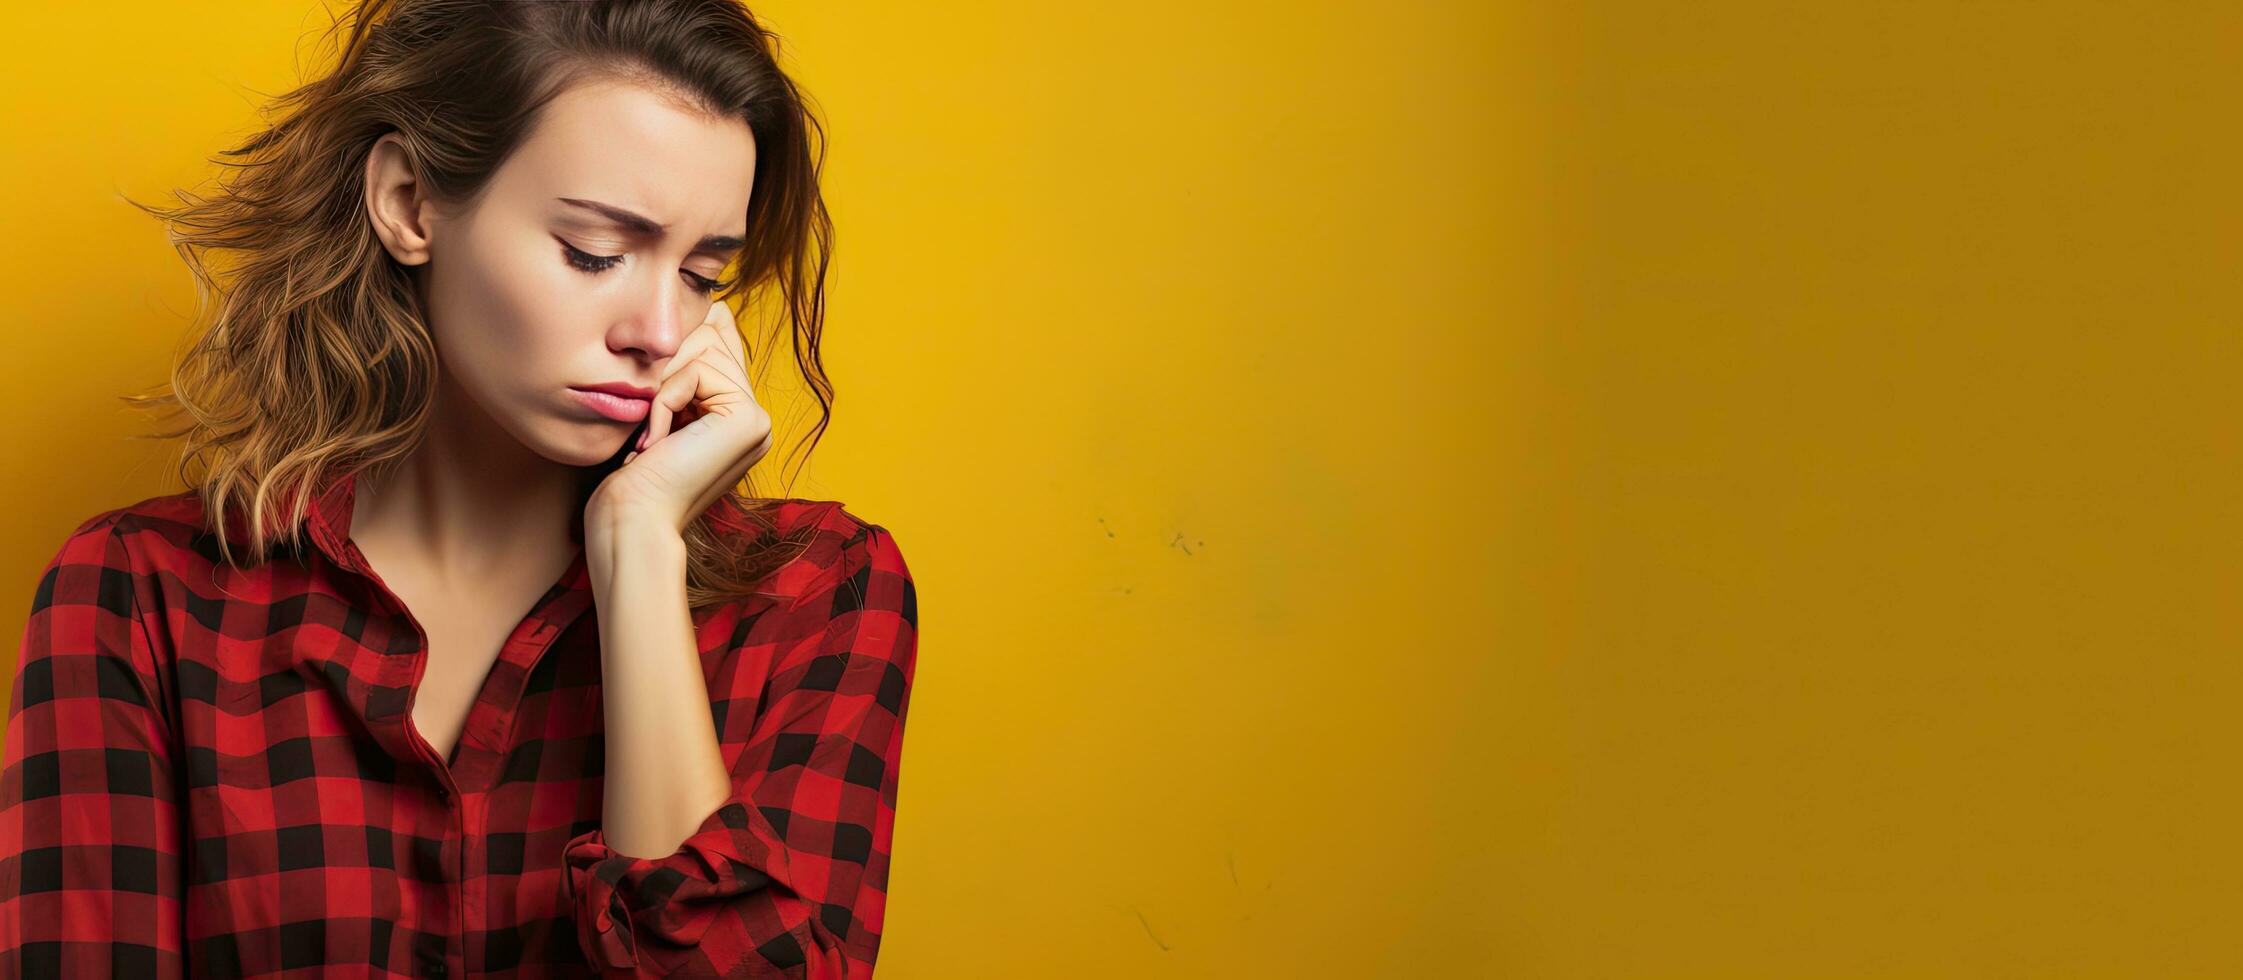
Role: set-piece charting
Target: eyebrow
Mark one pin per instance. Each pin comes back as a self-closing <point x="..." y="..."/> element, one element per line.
<point x="642" y="225"/>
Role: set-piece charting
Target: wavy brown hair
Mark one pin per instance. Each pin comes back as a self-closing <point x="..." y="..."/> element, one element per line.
<point x="313" y="357"/>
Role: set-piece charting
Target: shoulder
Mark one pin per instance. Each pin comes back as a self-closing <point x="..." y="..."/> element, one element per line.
<point x="834" y="539"/>
<point x="96" y="596"/>
<point x="95" y="586"/>
<point x="138" y="559"/>
<point x="142" y="535"/>
<point x="118" y="527"/>
<point x="842" y="552"/>
<point x="86" y="568"/>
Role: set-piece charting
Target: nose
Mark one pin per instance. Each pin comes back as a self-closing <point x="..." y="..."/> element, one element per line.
<point x="654" y="326"/>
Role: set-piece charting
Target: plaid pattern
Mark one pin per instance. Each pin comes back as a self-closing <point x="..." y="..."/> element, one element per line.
<point x="211" y="773"/>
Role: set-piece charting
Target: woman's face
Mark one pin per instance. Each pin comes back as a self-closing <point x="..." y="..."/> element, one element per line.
<point x="549" y="284"/>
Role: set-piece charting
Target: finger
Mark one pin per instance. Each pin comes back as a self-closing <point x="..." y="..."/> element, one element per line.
<point x="702" y="337"/>
<point x="677" y="393"/>
<point x="725" y="387"/>
<point x="730" y="371"/>
<point x="718" y="339"/>
<point x="724" y="334"/>
<point x="658" y="412"/>
<point x="727" y="328"/>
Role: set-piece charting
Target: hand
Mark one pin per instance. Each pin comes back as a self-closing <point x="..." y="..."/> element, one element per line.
<point x="675" y="475"/>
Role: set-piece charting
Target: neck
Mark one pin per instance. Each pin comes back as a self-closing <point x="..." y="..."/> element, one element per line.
<point x="469" y="500"/>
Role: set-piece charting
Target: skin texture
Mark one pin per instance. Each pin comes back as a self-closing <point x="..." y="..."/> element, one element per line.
<point x="472" y="526"/>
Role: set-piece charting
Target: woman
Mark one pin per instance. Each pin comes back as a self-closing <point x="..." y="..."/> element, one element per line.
<point x="465" y="656"/>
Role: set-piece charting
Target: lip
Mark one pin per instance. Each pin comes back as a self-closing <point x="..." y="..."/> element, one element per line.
<point x="617" y="407"/>
<point x="618" y="388"/>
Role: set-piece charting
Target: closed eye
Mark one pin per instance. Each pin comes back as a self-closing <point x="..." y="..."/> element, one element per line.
<point x="595" y="264"/>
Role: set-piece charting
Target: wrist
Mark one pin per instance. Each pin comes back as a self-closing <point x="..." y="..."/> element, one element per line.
<point x="614" y="515"/>
<point x="634" y="540"/>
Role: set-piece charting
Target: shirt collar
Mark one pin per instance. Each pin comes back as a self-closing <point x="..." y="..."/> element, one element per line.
<point x="327" y="523"/>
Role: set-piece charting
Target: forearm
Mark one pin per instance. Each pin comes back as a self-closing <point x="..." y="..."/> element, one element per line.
<point x="664" y="772"/>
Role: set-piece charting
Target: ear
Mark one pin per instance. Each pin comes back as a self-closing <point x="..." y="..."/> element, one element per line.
<point x="396" y="202"/>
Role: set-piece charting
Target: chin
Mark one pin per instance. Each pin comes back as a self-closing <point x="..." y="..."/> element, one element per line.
<point x="582" y="442"/>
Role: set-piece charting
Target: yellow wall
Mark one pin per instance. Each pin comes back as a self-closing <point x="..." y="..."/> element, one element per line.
<point x="1443" y="489"/>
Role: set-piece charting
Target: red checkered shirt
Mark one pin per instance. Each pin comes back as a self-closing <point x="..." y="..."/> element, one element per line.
<point x="213" y="773"/>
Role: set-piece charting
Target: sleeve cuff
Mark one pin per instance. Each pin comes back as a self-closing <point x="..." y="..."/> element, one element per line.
<point x="620" y="901"/>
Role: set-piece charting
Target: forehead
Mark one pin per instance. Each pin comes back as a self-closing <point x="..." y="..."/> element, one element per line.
<point x="633" y="146"/>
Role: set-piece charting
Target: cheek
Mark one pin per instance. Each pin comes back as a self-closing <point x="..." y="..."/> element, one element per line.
<point x="506" y="307"/>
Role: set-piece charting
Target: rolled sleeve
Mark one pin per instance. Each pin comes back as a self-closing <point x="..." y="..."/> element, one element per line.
<point x="788" y="877"/>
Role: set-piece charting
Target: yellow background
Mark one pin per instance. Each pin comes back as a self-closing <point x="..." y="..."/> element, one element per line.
<point x="1462" y="489"/>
